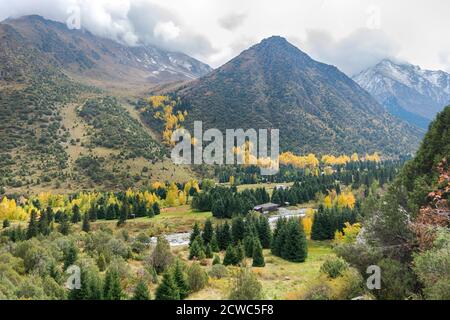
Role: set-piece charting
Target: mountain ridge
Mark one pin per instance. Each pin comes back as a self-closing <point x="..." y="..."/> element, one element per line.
<point x="273" y="84"/>
<point x="81" y="54"/>
<point x="408" y="91"/>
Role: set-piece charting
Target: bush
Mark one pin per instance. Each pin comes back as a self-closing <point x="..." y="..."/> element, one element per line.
<point x="334" y="267"/>
<point x="245" y="286"/>
<point x="197" y="278"/>
<point x="318" y="291"/>
<point x="348" y="286"/>
<point x="218" y="271"/>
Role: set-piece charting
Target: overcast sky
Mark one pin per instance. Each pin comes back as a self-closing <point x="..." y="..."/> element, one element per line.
<point x="351" y="34"/>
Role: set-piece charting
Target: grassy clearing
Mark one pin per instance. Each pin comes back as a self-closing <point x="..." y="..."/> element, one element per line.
<point x="171" y="220"/>
<point x="280" y="279"/>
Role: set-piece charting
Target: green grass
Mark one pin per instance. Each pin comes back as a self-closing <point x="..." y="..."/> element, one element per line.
<point x="280" y="279"/>
<point x="171" y="220"/>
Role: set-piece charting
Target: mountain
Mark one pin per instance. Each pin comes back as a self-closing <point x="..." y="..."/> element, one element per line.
<point x="407" y="91"/>
<point x="80" y="54"/>
<point x="316" y="107"/>
<point x="60" y="133"/>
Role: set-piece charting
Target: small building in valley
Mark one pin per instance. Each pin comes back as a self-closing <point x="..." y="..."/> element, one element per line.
<point x="266" y="207"/>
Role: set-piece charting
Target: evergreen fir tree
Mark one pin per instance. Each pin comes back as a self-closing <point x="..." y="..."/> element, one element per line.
<point x="112" y="289"/>
<point x="258" y="257"/>
<point x="264" y="232"/>
<point x="238" y="229"/>
<point x="141" y="291"/>
<point x="44" y="224"/>
<point x="168" y="289"/>
<point x="240" y="253"/>
<point x="32" y="230"/>
<point x="124" y="213"/>
<point x="76" y="216"/>
<point x="156" y="209"/>
<point x="181" y="280"/>
<point x="86" y="224"/>
<point x="64" y="225"/>
<point x="248" y="245"/>
<point x="208" y="251"/>
<point x="208" y="231"/>
<point x="214" y="244"/>
<point x="195" y="233"/>
<point x="230" y="256"/>
<point x="70" y="255"/>
<point x="196" y="250"/>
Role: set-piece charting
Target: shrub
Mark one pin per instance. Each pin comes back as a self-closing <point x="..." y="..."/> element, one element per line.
<point x="197" y="278"/>
<point x="218" y="271"/>
<point x="245" y="286"/>
<point x="334" y="267"/>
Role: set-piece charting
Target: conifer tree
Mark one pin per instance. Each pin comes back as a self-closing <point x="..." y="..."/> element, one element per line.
<point x="76" y="216"/>
<point x="196" y="250"/>
<point x="195" y="233"/>
<point x="181" y="280"/>
<point x="70" y="255"/>
<point x="156" y="209"/>
<point x="240" y="253"/>
<point x="208" y="232"/>
<point x="214" y="244"/>
<point x="141" y="291"/>
<point x="249" y="244"/>
<point x="230" y="256"/>
<point x="124" y="213"/>
<point x="44" y="223"/>
<point x="258" y="257"/>
<point x="64" y="225"/>
<point x="238" y="229"/>
<point x="32" y="230"/>
<point x="168" y="289"/>
<point x="264" y="232"/>
<point x="86" y="224"/>
<point x="112" y="289"/>
<point x="208" y="251"/>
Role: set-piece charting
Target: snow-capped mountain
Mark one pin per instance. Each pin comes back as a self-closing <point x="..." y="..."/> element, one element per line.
<point x="409" y="92"/>
<point x="85" y="56"/>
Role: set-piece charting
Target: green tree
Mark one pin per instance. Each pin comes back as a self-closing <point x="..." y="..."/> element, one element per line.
<point x="112" y="289"/>
<point x="70" y="255"/>
<point x="258" y="257"/>
<point x="196" y="250"/>
<point x="86" y="224"/>
<point x="230" y="256"/>
<point x="168" y="289"/>
<point x="195" y="233"/>
<point x="76" y="216"/>
<point x="64" y="225"/>
<point x="141" y="291"/>
<point x="32" y="230"/>
<point x="208" y="232"/>
<point x="156" y="209"/>
<point x="181" y="280"/>
<point x="214" y="244"/>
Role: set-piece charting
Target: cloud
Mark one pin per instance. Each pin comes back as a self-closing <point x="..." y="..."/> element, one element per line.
<point x="133" y="22"/>
<point x="359" y="50"/>
<point x="232" y="21"/>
